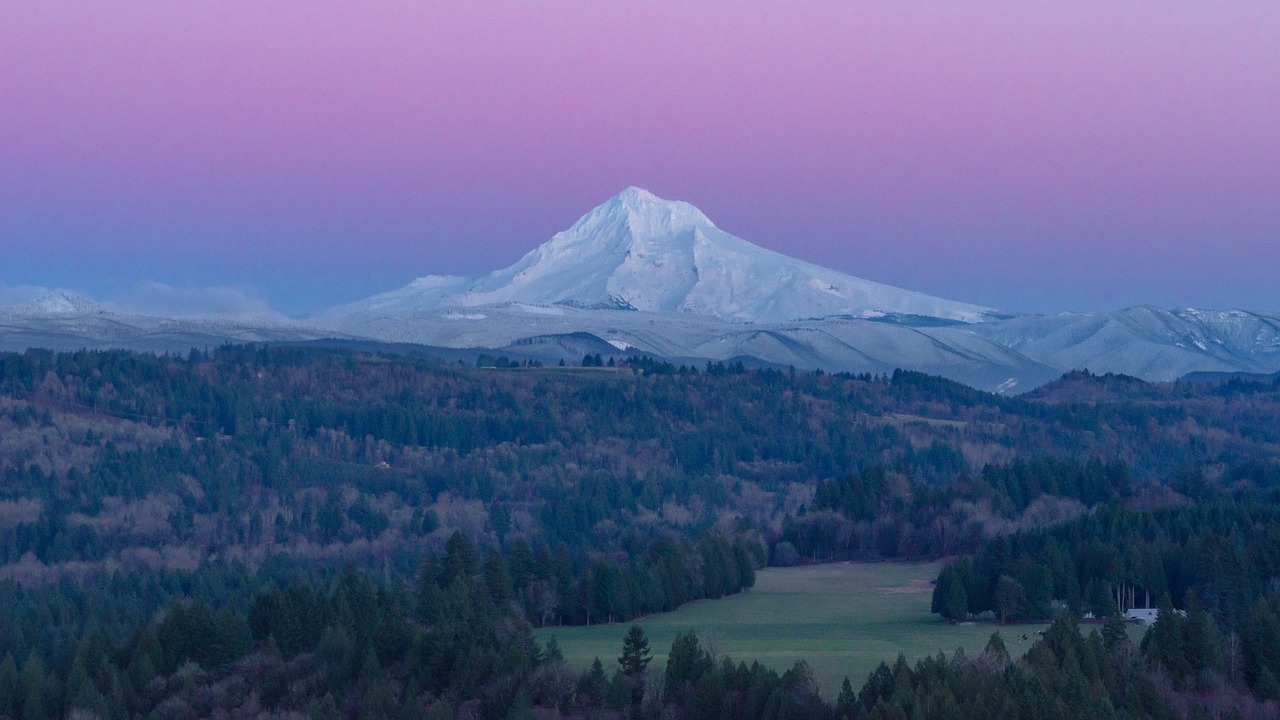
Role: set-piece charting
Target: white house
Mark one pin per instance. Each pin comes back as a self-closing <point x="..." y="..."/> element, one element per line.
<point x="1146" y="616"/>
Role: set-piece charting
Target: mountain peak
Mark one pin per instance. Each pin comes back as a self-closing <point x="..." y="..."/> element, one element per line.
<point x="61" y="302"/>
<point x="638" y="251"/>
<point x="633" y="194"/>
<point x="643" y="214"/>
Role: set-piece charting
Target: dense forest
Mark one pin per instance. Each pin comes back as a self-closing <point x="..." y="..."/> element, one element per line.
<point x="1212" y="568"/>
<point x="338" y="533"/>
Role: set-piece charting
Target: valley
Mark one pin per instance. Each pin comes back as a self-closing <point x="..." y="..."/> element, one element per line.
<point x="269" y="530"/>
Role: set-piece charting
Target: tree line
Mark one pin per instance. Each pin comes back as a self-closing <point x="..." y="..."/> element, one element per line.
<point x="1213" y="569"/>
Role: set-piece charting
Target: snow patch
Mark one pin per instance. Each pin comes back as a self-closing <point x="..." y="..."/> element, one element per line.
<point x="826" y="287"/>
<point x="539" y="309"/>
<point x="60" y="302"/>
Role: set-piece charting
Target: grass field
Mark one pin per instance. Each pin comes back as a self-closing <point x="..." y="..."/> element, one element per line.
<point x="843" y="619"/>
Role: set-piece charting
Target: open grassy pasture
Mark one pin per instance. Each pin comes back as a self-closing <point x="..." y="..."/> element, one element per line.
<point x="843" y="619"/>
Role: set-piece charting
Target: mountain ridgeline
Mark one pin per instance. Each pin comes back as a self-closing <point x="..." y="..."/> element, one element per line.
<point x="642" y="276"/>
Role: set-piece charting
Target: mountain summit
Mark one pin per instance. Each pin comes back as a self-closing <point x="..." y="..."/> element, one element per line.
<point x="643" y="275"/>
<point x="58" y="302"/>
<point x="637" y="251"/>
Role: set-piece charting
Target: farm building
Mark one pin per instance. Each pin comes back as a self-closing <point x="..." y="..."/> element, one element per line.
<point x="1146" y="616"/>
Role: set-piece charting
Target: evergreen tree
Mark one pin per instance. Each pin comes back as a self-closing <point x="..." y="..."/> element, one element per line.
<point x="621" y="691"/>
<point x="1164" y="645"/>
<point x="847" y="701"/>
<point x="459" y="558"/>
<point x="1200" y="640"/>
<point x="635" y="658"/>
<point x="324" y="709"/>
<point x="941" y="589"/>
<point x="33" y="689"/>
<point x="635" y="652"/>
<point x="10" y="687"/>
<point x="551" y="653"/>
<point x="1261" y="640"/>
<point x="1010" y="599"/>
<point x="686" y="663"/>
<point x="1115" y="633"/>
<point x="593" y="684"/>
<point x="955" y="605"/>
<point x="996" y="653"/>
<point x="80" y="692"/>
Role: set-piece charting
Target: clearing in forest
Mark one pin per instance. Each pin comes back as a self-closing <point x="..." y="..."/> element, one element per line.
<point x="843" y="619"/>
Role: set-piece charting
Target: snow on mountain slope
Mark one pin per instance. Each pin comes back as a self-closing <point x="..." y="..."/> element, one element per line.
<point x="698" y="293"/>
<point x="58" y="302"/>
<point x="424" y="294"/>
<point x="63" y="320"/>
<point x="1147" y="342"/>
<point x="833" y="344"/>
<point x="640" y="252"/>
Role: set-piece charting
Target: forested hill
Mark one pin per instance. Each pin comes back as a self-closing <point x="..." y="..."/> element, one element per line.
<point x="115" y="459"/>
<point x="251" y="508"/>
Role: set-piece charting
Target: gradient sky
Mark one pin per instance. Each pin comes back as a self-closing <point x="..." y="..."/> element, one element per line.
<point x="1032" y="156"/>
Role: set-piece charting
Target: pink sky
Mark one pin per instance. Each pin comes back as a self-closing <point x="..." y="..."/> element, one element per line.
<point x="1031" y="156"/>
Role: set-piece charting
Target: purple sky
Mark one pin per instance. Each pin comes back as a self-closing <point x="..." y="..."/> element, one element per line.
<point x="1030" y="156"/>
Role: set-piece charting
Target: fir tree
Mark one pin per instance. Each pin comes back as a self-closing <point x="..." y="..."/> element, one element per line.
<point x="635" y="652"/>
<point x="847" y="701"/>
<point x="1115" y="634"/>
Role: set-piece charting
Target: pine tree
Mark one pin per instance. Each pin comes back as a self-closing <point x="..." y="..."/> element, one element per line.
<point x="1166" y="643"/>
<point x="10" y="683"/>
<point x="593" y="684"/>
<point x="879" y="686"/>
<point x="996" y="653"/>
<point x="33" y="689"/>
<point x="459" y="558"/>
<point x="1010" y="598"/>
<point x="955" y="605"/>
<point x="1115" y="634"/>
<point x="80" y="690"/>
<point x="635" y="658"/>
<point x="1200" y="639"/>
<point x="635" y="652"/>
<point x="685" y="664"/>
<point x="324" y="709"/>
<point x="847" y="701"/>
<point x="551" y="653"/>
<point x="1261" y="641"/>
<point x="620" y="691"/>
<point x="941" y="590"/>
<point x="370" y="671"/>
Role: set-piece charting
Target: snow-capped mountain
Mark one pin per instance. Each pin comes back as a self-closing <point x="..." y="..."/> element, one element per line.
<point x="640" y="252"/>
<point x="1147" y="342"/>
<point x="642" y="275"/>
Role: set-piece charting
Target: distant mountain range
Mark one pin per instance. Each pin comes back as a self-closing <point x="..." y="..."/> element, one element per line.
<point x="642" y="275"/>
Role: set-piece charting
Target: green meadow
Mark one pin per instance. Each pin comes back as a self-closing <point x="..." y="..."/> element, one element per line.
<point x="843" y="619"/>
